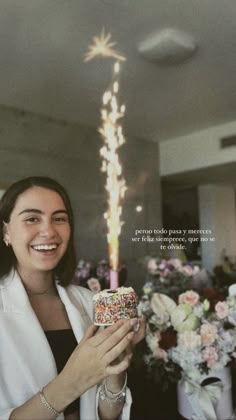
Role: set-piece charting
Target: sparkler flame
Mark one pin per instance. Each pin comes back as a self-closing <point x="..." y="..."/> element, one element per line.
<point x="112" y="133"/>
<point x="103" y="47"/>
<point x="113" y="138"/>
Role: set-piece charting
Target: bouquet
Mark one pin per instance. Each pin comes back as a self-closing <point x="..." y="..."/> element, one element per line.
<point x="170" y="277"/>
<point x="187" y="339"/>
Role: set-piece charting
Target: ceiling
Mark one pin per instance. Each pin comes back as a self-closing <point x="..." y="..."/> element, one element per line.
<point x="43" y="42"/>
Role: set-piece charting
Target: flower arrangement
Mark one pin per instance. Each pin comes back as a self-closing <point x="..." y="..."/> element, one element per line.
<point x="170" y="277"/>
<point x="187" y="339"/>
<point x="96" y="276"/>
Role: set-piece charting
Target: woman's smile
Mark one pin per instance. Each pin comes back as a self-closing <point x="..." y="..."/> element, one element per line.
<point x="45" y="247"/>
<point x="46" y="250"/>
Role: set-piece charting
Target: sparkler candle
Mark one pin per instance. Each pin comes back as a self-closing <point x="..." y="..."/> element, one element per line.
<point x="113" y="138"/>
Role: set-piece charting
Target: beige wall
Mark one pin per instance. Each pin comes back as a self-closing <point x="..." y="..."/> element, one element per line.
<point x="200" y="149"/>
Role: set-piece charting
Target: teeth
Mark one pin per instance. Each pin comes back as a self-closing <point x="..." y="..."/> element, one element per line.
<point x="45" y="247"/>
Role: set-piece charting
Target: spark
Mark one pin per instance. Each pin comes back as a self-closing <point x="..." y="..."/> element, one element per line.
<point x="102" y="46"/>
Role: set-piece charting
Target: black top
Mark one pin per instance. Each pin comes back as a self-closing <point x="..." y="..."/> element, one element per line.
<point x="62" y="343"/>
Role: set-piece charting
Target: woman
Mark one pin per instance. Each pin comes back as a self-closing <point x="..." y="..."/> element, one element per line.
<point x="45" y="373"/>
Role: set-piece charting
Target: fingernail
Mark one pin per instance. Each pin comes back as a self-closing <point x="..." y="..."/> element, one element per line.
<point x="136" y="327"/>
<point x="133" y="321"/>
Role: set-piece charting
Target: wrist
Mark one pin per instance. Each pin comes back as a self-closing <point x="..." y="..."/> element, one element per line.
<point x="52" y="393"/>
<point x="46" y="404"/>
<point x="115" y="383"/>
<point x="59" y="394"/>
<point x="105" y="394"/>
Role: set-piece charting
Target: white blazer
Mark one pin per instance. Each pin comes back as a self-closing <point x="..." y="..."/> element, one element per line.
<point x="26" y="360"/>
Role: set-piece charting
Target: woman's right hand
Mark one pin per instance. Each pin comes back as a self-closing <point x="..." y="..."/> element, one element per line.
<point x="93" y="359"/>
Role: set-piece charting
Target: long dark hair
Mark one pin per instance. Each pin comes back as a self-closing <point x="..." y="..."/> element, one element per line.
<point x="66" y="267"/>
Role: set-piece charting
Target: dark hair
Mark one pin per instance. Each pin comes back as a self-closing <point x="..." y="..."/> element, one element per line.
<point x="66" y="267"/>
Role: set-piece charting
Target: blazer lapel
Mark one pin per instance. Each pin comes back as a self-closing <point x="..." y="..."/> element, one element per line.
<point x="26" y="333"/>
<point x="77" y="315"/>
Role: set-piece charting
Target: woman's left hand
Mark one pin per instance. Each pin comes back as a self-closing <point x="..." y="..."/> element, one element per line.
<point x="114" y="381"/>
<point x="139" y="334"/>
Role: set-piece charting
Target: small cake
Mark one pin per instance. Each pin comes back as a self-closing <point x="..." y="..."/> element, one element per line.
<point x="112" y="305"/>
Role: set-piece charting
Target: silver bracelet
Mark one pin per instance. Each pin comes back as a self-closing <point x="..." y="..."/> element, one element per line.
<point x="47" y="405"/>
<point x="111" y="397"/>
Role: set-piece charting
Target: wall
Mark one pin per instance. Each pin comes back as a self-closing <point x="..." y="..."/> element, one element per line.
<point x="35" y="145"/>
<point x="217" y="213"/>
<point x="197" y="150"/>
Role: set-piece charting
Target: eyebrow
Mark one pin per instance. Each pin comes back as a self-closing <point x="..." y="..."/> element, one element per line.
<point x="41" y="212"/>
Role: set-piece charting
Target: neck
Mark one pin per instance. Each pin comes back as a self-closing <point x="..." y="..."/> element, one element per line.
<point x="37" y="283"/>
<point x="49" y="291"/>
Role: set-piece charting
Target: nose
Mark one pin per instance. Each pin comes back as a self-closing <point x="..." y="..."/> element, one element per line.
<point x="47" y="230"/>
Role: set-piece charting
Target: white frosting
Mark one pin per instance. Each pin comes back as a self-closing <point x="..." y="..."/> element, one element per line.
<point x="108" y="292"/>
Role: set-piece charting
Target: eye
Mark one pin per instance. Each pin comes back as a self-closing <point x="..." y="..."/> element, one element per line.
<point x="32" y="219"/>
<point x="61" y="219"/>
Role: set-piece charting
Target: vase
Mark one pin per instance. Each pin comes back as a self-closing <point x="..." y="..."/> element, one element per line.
<point x="210" y="399"/>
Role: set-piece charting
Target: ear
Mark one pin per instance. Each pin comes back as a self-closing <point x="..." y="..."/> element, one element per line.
<point x="6" y="235"/>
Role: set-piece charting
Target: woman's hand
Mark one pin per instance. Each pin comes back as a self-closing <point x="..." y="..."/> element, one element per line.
<point x="97" y="356"/>
<point x="115" y="382"/>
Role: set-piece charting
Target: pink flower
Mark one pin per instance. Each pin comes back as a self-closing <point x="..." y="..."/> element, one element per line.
<point x="190" y="297"/>
<point x="166" y="272"/>
<point x="160" y="354"/>
<point x="222" y="310"/>
<point x="162" y="265"/>
<point x="210" y="356"/>
<point x="208" y="333"/>
<point x="157" y="333"/>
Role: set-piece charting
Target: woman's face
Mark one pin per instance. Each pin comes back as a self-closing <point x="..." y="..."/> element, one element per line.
<point x="38" y="230"/>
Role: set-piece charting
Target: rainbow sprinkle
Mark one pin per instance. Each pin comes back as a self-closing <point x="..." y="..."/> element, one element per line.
<point x="112" y="305"/>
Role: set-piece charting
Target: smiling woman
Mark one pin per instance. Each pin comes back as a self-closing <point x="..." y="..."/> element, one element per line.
<point x="43" y="311"/>
<point x="40" y="220"/>
<point x="18" y="198"/>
